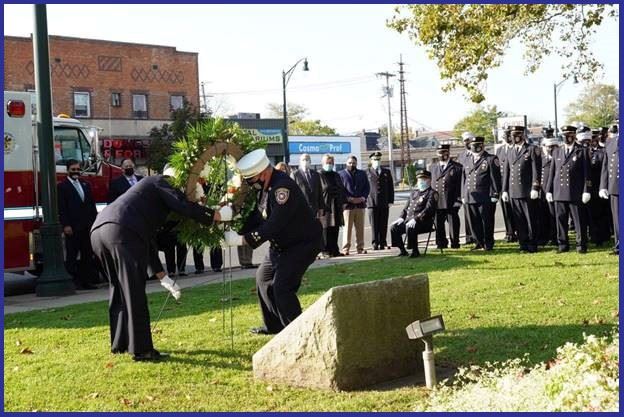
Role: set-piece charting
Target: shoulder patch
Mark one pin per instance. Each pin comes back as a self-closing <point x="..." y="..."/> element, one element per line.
<point x="281" y="195"/>
<point x="497" y="162"/>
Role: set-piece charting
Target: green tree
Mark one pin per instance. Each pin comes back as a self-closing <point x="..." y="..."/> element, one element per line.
<point x="468" y="40"/>
<point x="162" y="137"/>
<point x="598" y="105"/>
<point x="297" y="124"/>
<point x="480" y="121"/>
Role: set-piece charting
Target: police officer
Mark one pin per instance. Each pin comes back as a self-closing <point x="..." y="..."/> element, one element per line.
<point x="461" y="158"/>
<point x="598" y="208"/>
<point x="417" y="216"/>
<point x="521" y="184"/>
<point x="511" y="232"/>
<point x="609" y="181"/>
<point x="289" y="224"/>
<point x="547" y="223"/>
<point x="121" y="238"/>
<point x="569" y="186"/>
<point x="481" y="190"/>
<point x="379" y="200"/>
<point x="446" y="176"/>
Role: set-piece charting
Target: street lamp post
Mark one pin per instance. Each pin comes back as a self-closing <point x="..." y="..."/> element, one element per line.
<point x="555" y="92"/>
<point x="285" y="79"/>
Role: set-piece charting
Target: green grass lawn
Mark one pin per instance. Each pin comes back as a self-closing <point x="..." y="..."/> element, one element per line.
<point x="496" y="306"/>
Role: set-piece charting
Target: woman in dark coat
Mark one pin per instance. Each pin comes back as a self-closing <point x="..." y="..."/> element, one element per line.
<point x="334" y="197"/>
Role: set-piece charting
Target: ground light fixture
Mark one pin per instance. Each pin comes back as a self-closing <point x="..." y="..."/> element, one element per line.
<point x="424" y="330"/>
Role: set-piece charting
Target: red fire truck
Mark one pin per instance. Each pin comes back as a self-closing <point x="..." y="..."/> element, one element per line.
<point x="22" y="188"/>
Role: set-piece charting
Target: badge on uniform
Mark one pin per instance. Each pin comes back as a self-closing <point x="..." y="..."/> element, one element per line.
<point x="484" y="166"/>
<point x="421" y="199"/>
<point x="281" y="195"/>
<point x="574" y="158"/>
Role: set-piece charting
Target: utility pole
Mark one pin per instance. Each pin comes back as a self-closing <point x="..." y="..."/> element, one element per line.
<point x="405" y="149"/>
<point x="204" y="102"/>
<point x="388" y="93"/>
<point x="54" y="279"/>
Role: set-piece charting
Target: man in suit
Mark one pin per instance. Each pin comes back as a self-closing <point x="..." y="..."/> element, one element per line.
<point x="482" y="185"/>
<point x="379" y="200"/>
<point x="286" y="220"/>
<point x="357" y="189"/>
<point x="461" y="158"/>
<point x="309" y="182"/>
<point x="417" y="216"/>
<point x="521" y="184"/>
<point x="77" y="213"/>
<point x="511" y="232"/>
<point x="122" y="238"/>
<point x="446" y="176"/>
<point x="598" y="208"/>
<point x="121" y="184"/>
<point x="547" y="223"/>
<point x="569" y="188"/>
<point x="609" y="181"/>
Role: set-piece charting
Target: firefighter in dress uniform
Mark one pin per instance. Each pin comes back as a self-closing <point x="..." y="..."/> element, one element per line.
<point x="511" y="232"/>
<point x="546" y="218"/>
<point x="446" y="176"/>
<point x="417" y="216"/>
<point x="285" y="219"/>
<point x="463" y="155"/>
<point x="598" y="208"/>
<point x="609" y="181"/>
<point x="379" y="201"/>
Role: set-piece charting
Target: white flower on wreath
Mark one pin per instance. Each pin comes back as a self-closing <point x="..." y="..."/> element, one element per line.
<point x="205" y="173"/>
<point x="199" y="192"/>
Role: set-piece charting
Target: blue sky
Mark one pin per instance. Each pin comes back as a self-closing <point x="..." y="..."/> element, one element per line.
<point x="244" y="48"/>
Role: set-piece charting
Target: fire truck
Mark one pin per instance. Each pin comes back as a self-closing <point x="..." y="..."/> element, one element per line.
<point x="22" y="189"/>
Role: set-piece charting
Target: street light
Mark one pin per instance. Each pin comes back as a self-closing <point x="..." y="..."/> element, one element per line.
<point x="424" y="329"/>
<point x="285" y="79"/>
<point x="555" y="91"/>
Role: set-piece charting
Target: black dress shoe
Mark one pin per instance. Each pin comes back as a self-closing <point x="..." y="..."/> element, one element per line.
<point x="615" y="252"/>
<point x="455" y="246"/>
<point x="403" y="253"/>
<point x="151" y="356"/>
<point x="182" y="274"/>
<point x="477" y="247"/>
<point x="249" y="266"/>
<point x="581" y="250"/>
<point x="199" y="271"/>
<point x="118" y="351"/>
<point x="375" y="247"/>
<point x="86" y="286"/>
<point x="563" y="249"/>
<point x="261" y="330"/>
<point x="217" y="269"/>
<point x="415" y="255"/>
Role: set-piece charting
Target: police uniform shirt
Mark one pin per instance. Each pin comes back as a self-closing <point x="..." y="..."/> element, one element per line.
<point x="569" y="175"/>
<point x="446" y="181"/>
<point x="288" y="219"/>
<point x="482" y="179"/>
<point x="522" y="171"/>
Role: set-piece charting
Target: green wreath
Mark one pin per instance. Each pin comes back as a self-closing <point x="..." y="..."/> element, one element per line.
<point x="205" y="165"/>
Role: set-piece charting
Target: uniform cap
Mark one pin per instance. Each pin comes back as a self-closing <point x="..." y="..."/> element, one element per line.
<point x="375" y="155"/>
<point x="568" y="128"/>
<point x="613" y="129"/>
<point x="467" y="136"/>
<point x="516" y="128"/>
<point x="253" y="163"/>
<point x="550" y="142"/>
<point x="169" y="171"/>
<point x="584" y="136"/>
<point x="423" y="173"/>
<point x="444" y="147"/>
<point x="477" y="139"/>
<point x="548" y="132"/>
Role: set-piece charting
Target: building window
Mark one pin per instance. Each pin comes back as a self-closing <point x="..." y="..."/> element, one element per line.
<point x="176" y="102"/>
<point x="116" y="99"/>
<point x="82" y="104"/>
<point x="139" y="106"/>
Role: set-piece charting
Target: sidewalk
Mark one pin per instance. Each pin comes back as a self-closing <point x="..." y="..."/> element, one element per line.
<point x="30" y="302"/>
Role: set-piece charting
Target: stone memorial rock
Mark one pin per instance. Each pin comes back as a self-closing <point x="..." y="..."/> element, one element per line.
<point x="352" y="337"/>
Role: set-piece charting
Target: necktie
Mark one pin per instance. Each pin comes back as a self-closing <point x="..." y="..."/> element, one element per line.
<point x="307" y="175"/>
<point x="78" y="188"/>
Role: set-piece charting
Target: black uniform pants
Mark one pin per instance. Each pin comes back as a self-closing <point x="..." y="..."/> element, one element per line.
<point x="378" y="219"/>
<point x="599" y="211"/>
<point x="467" y="227"/>
<point x="563" y="211"/>
<point x="547" y="222"/>
<point x="125" y="257"/>
<point x="452" y="217"/>
<point x="615" y="210"/>
<point x="82" y="271"/>
<point x="398" y="230"/>
<point x="175" y="256"/>
<point x="511" y="228"/>
<point x="523" y="211"/>
<point x="330" y="240"/>
<point x="216" y="258"/>
<point x="482" y="223"/>
<point x="277" y="280"/>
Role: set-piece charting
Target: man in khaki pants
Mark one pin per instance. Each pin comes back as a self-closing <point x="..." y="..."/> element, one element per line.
<point x="357" y="188"/>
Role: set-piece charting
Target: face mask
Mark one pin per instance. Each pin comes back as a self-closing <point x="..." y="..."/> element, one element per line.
<point x="569" y="139"/>
<point x="328" y="167"/>
<point x="256" y="185"/>
<point x="351" y="167"/>
<point x="422" y="185"/>
<point x="375" y="164"/>
<point x="476" y="148"/>
<point x="444" y="157"/>
<point x="585" y="144"/>
<point x="129" y="172"/>
<point x="304" y="163"/>
<point x="518" y="140"/>
<point x="467" y="144"/>
<point x="74" y="175"/>
<point x="508" y="140"/>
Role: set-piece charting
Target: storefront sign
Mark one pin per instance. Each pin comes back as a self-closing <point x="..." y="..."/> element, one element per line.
<point x="268" y="135"/>
<point x="319" y="147"/>
<point x="124" y="148"/>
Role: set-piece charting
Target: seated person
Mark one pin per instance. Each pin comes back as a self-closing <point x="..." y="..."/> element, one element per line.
<point x="417" y="216"/>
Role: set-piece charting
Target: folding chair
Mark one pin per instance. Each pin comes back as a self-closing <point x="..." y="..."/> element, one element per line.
<point x="433" y="228"/>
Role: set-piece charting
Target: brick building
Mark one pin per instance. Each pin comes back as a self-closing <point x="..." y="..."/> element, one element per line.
<point x="123" y="88"/>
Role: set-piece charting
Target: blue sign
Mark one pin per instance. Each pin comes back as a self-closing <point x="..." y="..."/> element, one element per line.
<point x="319" y="147"/>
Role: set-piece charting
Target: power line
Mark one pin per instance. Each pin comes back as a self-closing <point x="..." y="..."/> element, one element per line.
<point x="317" y="86"/>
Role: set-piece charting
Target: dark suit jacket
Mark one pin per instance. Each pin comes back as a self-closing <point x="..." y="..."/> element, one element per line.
<point x="74" y="212"/>
<point x="569" y="177"/>
<point x="381" y="192"/>
<point x="447" y="183"/>
<point x="118" y="186"/>
<point x="144" y="208"/>
<point x="355" y="185"/>
<point x="522" y="172"/>
<point x="610" y="174"/>
<point x="312" y="191"/>
<point x="482" y="180"/>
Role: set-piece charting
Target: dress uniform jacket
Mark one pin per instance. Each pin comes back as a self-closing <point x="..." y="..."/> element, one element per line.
<point x="522" y="171"/>
<point x="598" y="208"/>
<point x="311" y="189"/>
<point x="482" y="179"/>
<point x="421" y="206"/>
<point x="447" y="183"/>
<point x="381" y="192"/>
<point x="610" y="173"/>
<point x="569" y="176"/>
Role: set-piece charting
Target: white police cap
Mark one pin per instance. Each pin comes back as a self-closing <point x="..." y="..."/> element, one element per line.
<point x="584" y="136"/>
<point x="467" y="135"/>
<point x="253" y="163"/>
<point x="550" y="142"/>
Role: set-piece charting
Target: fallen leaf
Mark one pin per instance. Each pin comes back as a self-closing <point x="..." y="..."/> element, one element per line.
<point x="596" y="302"/>
<point x="109" y="365"/>
<point x="93" y="395"/>
<point x="585" y="322"/>
<point x="26" y="351"/>
<point x="188" y="397"/>
<point x="270" y="388"/>
<point x="18" y="342"/>
<point x="156" y="331"/>
<point x="214" y="382"/>
<point x="67" y="317"/>
<point x="615" y="313"/>
<point x="15" y="369"/>
<point x="471" y="349"/>
<point x="521" y="284"/>
<point x="212" y="320"/>
<point x="126" y="401"/>
<point x="149" y="398"/>
<point x="252" y="290"/>
<point x="598" y="320"/>
<point x="561" y="302"/>
<point x="472" y="316"/>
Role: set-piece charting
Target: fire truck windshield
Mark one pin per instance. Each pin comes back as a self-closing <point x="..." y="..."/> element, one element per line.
<point x="70" y="143"/>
